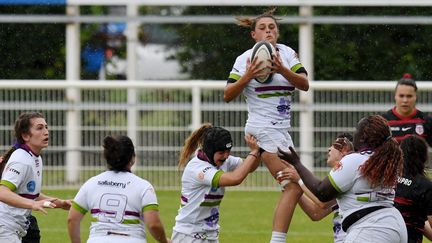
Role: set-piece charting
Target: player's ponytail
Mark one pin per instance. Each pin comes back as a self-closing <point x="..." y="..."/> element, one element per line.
<point x="192" y="143"/>
<point x="4" y="158"/>
<point x="386" y="163"/>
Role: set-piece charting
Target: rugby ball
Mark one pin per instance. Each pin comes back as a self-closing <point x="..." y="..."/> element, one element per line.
<point x="263" y="51"/>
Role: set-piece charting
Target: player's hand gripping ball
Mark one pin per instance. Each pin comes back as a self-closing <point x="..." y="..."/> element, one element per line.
<point x="263" y="51"/>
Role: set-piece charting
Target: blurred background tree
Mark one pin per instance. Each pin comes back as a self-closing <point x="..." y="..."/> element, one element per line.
<point x="208" y="51"/>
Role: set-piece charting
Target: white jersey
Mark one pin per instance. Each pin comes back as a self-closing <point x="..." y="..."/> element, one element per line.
<point x="356" y="191"/>
<point x="116" y="201"/>
<point x="201" y="197"/>
<point x="269" y="104"/>
<point x="22" y="175"/>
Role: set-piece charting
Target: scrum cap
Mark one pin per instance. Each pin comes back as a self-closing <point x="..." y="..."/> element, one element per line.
<point x="216" y="139"/>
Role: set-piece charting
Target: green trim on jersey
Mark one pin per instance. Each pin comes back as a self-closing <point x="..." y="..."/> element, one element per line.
<point x="211" y="204"/>
<point x="296" y="67"/>
<point x="131" y="221"/>
<point x="234" y="76"/>
<point x="363" y="199"/>
<point x="216" y="178"/>
<point x="334" y="184"/>
<point x="8" y="184"/>
<point x="149" y="207"/>
<point x="276" y="94"/>
<point x="79" y="208"/>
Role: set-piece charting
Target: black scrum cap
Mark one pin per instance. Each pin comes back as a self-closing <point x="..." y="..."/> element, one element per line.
<point x="216" y="139"/>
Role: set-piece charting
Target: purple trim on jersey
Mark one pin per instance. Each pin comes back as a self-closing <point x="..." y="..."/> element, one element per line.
<point x="25" y="147"/>
<point x="212" y="196"/>
<point x="129" y="213"/>
<point x="202" y="156"/>
<point x="29" y="196"/>
<point x="273" y="88"/>
<point x="184" y="199"/>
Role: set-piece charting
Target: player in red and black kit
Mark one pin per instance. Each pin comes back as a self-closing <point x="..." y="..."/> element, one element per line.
<point x="414" y="190"/>
<point x="405" y="119"/>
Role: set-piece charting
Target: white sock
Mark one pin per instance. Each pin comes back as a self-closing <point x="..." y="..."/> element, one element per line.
<point x="278" y="237"/>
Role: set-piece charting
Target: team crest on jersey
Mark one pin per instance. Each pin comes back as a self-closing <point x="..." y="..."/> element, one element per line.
<point x="31" y="186"/>
<point x="419" y="129"/>
<point x="338" y="166"/>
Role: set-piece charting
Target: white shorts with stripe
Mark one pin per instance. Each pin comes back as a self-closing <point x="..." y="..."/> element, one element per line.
<point x="270" y="139"/>
<point x="178" y="237"/>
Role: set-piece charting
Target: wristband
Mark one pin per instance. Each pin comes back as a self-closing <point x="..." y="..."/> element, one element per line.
<point x="300" y="182"/>
<point x="253" y="155"/>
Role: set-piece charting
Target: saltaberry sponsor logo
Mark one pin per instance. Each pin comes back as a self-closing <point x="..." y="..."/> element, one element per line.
<point x="113" y="183"/>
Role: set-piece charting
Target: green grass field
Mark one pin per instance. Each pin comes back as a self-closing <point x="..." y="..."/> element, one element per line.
<point x="246" y="216"/>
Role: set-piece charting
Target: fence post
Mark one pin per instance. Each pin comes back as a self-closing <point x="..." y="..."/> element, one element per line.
<point x="306" y="98"/>
<point x="196" y="107"/>
<point x="132" y="39"/>
<point x="73" y="95"/>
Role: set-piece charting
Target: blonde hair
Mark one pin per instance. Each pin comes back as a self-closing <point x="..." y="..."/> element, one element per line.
<point x="248" y="22"/>
<point x="194" y="141"/>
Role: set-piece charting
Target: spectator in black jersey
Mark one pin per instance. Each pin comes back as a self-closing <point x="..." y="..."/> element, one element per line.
<point x="405" y="119"/>
<point x="414" y="190"/>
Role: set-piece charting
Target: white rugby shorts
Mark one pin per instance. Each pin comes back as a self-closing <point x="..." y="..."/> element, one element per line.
<point x="270" y="139"/>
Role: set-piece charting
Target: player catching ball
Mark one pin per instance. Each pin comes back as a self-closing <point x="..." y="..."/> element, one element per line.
<point x="269" y="106"/>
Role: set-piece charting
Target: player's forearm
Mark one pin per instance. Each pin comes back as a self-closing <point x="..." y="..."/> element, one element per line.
<point x="315" y="185"/>
<point x="300" y="81"/>
<point x="237" y="176"/>
<point x="74" y="233"/>
<point x="13" y="199"/>
<point x="233" y="90"/>
<point x="158" y="233"/>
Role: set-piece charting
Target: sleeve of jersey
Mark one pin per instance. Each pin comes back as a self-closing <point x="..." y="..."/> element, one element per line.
<point x="149" y="199"/>
<point x="294" y="62"/>
<point x="238" y="69"/>
<point x="14" y="174"/>
<point x="342" y="176"/>
<point x="234" y="163"/>
<point x="80" y="201"/>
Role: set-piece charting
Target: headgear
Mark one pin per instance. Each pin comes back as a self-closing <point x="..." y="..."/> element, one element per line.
<point x="216" y="139"/>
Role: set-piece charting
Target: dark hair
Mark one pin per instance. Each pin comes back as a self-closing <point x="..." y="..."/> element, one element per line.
<point x="118" y="152"/>
<point x="211" y="139"/>
<point x="21" y="127"/>
<point x="415" y="155"/>
<point x="251" y="22"/>
<point x="385" y="164"/>
<point x="343" y="143"/>
<point x="408" y="80"/>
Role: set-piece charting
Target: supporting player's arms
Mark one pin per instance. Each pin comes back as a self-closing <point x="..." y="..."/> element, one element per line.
<point x="74" y="220"/>
<point x="154" y="225"/>
<point x="323" y="190"/>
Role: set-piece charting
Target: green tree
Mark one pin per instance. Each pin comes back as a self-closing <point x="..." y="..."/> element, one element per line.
<point x="32" y="51"/>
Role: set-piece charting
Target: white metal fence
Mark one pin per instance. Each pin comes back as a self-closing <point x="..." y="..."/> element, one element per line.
<point x="159" y="115"/>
